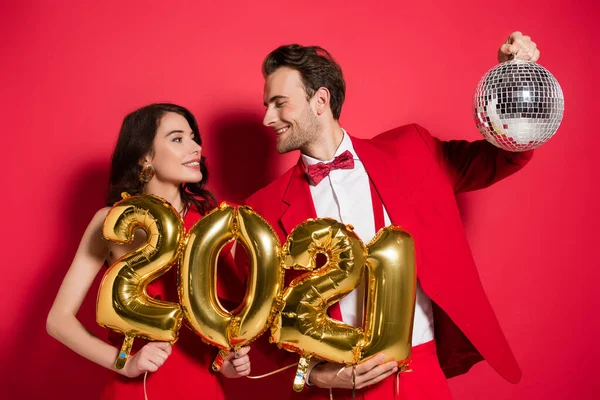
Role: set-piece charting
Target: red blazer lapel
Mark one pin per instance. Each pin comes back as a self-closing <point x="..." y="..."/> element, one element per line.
<point x="395" y="175"/>
<point x="298" y="199"/>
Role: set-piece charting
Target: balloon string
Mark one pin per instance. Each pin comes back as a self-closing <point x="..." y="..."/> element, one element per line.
<point x="402" y="370"/>
<point x="353" y="382"/>
<point x="145" y="392"/>
<point x="272" y="372"/>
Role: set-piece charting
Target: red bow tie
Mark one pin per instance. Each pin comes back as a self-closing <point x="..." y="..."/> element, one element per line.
<point x="318" y="172"/>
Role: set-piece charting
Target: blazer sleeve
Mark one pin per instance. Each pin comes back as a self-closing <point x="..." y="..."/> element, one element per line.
<point x="473" y="165"/>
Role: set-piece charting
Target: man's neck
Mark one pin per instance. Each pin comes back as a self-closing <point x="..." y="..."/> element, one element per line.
<point x="325" y="146"/>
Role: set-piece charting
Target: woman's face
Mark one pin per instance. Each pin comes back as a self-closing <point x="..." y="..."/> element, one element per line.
<point x="176" y="156"/>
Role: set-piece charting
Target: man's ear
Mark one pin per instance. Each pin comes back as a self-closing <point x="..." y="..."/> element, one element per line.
<point x="322" y="97"/>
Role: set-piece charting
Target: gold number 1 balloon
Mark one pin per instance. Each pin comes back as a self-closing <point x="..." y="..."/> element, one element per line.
<point x="197" y="289"/>
<point x="391" y="286"/>
<point x="123" y="304"/>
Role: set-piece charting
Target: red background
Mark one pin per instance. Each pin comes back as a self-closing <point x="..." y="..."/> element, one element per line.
<point x="70" y="72"/>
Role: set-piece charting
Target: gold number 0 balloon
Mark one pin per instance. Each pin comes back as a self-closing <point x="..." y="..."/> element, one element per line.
<point x="123" y="304"/>
<point x="304" y="326"/>
<point x="197" y="289"/>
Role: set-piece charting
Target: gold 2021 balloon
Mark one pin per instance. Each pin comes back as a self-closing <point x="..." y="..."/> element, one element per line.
<point x="123" y="304"/>
<point x="197" y="290"/>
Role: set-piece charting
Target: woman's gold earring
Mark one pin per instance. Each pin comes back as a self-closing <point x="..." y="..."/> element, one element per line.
<point x="146" y="174"/>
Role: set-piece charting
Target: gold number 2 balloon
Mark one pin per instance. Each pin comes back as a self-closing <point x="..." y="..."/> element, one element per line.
<point x="197" y="289"/>
<point x="123" y="304"/>
<point x="303" y="325"/>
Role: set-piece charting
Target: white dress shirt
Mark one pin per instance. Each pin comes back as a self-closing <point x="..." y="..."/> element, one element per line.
<point x="345" y="195"/>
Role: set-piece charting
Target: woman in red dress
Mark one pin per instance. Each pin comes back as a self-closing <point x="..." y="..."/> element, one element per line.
<point x="158" y="152"/>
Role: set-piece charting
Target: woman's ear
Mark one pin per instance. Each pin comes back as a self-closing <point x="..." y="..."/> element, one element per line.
<point x="144" y="161"/>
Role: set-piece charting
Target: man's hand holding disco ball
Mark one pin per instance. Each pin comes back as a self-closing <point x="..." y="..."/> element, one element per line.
<point x="518" y="105"/>
<point x="520" y="47"/>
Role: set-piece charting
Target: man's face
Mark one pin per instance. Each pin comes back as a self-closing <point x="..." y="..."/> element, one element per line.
<point x="288" y="112"/>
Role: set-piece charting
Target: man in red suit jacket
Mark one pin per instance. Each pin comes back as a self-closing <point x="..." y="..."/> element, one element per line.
<point x="416" y="177"/>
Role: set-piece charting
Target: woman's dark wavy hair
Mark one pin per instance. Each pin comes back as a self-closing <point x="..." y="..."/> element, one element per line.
<point x="136" y="140"/>
<point x="317" y="69"/>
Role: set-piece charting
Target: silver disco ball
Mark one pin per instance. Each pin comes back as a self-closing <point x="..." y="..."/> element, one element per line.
<point x="518" y="105"/>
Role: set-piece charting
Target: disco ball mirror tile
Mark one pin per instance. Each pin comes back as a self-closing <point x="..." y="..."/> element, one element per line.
<point x="518" y="105"/>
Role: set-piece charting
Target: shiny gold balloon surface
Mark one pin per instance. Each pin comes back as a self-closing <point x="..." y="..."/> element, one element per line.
<point x="303" y="325"/>
<point x="263" y="296"/>
<point x="197" y="290"/>
<point x="391" y="286"/>
<point x="123" y="304"/>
